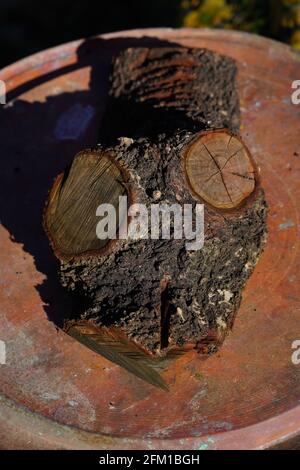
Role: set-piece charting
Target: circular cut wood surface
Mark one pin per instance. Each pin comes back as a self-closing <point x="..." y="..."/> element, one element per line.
<point x="56" y="393"/>
<point x="219" y="169"/>
<point x="92" y="180"/>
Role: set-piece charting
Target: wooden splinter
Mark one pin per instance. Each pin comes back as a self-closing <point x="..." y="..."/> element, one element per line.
<point x="180" y="147"/>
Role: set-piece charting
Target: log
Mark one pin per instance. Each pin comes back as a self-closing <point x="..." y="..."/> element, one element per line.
<point x="176" y="114"/>
<point x="159" y="91"/>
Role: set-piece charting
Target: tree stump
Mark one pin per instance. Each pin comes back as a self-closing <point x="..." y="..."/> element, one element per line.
<point x="175" y="112"/>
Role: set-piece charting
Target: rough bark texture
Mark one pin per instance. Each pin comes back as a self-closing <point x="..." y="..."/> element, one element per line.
<point x="158" y="293"/>
<point x="157" y="91"/>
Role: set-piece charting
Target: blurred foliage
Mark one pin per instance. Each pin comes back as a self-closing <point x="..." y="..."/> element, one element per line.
<point x="279" y="19"/>
<point x="27" y="26"/>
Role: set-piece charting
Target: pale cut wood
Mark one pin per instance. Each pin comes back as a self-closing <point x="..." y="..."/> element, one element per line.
<point x="70" y="218"/>
<point x="219" y="169"/>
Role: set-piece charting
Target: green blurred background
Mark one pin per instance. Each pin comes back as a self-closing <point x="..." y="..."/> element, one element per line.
<point x="28" y="26"/>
